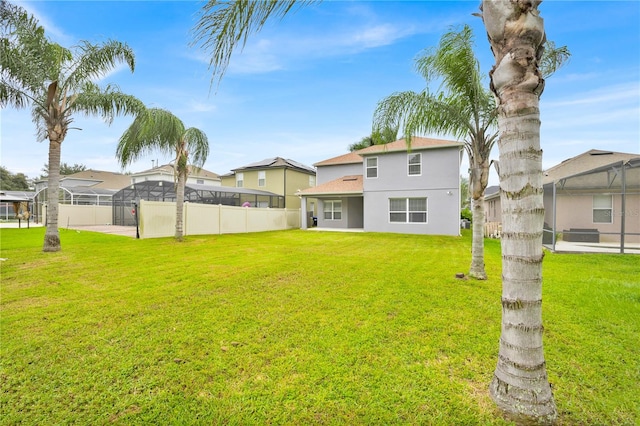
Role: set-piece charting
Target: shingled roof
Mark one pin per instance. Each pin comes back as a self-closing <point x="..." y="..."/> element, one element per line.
<point x="276" y="162"/>
<point x="585" y="162"/>
<point x="417" y="143"/>
<point x="340" y="186"/>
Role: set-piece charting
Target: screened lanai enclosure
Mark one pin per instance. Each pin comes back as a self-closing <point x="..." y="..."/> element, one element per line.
<point x="126" y="198"/>
<point x="599" y="208"/>
<point x="72" y="195"/>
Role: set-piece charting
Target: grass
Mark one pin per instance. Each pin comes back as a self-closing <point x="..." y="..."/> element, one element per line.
<point x="296" y="328"/>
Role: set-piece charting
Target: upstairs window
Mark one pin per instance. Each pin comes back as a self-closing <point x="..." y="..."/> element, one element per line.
<point x="372" y="167"/>
<point x="312" y="181"/>
<point x="200" y="181"/>
<point x="262" y="178"/>
<point x="414" y="163"/>
<point x="239" y="180"/>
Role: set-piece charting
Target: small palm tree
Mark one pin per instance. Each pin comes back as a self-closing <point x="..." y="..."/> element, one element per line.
<point x="57" y="83"/>
<point x="378" y="137"/>
<point x="157" y="129"/>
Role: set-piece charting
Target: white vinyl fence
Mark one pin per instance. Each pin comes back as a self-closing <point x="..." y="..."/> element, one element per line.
<point x="158" y="219"/>
<point x="75" y="215"/>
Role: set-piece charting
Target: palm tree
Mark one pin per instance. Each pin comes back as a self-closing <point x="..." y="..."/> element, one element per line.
<point x="57" y="83"/>
<point x="157" y="129"/>
<point x="520" y="386"/>
<point x="378" y="137"/>
<point x="462" y="108"/>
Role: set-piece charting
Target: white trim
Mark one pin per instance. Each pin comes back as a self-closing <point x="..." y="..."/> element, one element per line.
<point x="409" y="156"/>
<point x="408" y="212"/>
<point x="333" y="210"/>
<point x="593" y="208"/>
<point x="367" y="167"/>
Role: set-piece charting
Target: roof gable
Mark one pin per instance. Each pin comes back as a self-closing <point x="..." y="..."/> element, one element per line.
<point x="276" y="162"/>
<point x="584" y="162"/>
<point x="102" y="179"/>
<point x="417" y="143"/>
<point x="344" y="185"/>
<point x="168" y="169"/>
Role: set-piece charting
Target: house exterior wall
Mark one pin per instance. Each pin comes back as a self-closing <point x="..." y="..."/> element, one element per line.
<point x="203" y="181"/>
<point x="295" y="181"/>
<point x="281" y="181"/>
<point x="342" y="223"/>
<point x="439" y="183"/>
<point x="492" y="210"/>
<point x="228" y="180"/>
<point x="576" y="211"/>
<point x="328" y="173"/>
<point x="442" y="212"/>
<point x="356" y="210"/>
<point x="168" y="177"/>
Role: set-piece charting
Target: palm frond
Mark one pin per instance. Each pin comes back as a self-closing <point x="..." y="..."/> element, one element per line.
<point x="223" y="25"/>
<point x="106" y="103"/>
<point x="197" y="145"/>
<point x="156" y="129"/>
<point x="94" y="61"/>
<point x="553" y="58"/>
<point x="28" y="60"/>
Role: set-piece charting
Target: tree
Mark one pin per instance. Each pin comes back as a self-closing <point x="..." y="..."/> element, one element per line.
<point x="11" y="182"/>
<point x="516" y="33"/>
<point x="461" y="107"/>
<point x="378" y="137"/>
<point x="65" y="169"/>
<point x="520" y="386"/>
<point x="156" y="129"/>
<point x="464" y="193"/>
<point x="57" y="83"/>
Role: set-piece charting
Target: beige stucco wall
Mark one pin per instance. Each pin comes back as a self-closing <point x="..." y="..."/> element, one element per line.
<point x="576" y="211"/>
<point x="277" y="183"/>
<point x="492" y="212"/>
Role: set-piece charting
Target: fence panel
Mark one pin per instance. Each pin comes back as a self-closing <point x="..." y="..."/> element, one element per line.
<point x="75" y="215"/>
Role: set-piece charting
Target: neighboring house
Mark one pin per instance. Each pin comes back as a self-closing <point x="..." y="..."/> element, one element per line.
<point x="391" y="188"/>
<point x="10" y="203"/>
<point x="166" y="173"/>
<point x="89" y="187"/>
<point x="594" y="197"/>
<point x="277" y="175"/>
<point x="492" y="206"/>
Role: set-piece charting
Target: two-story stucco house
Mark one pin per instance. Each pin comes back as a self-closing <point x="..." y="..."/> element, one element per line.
<point x="391" y="188"/>
<point x="277" y="175"/>
<point x="166" y="173"/>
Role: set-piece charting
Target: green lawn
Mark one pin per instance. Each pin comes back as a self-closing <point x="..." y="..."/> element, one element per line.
<point x="296" y="327"/>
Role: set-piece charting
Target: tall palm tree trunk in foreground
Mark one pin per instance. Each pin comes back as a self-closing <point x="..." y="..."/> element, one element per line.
<point x="520" y="386"/>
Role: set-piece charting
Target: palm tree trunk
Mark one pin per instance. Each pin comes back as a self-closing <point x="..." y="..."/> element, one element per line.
<point x="477" y="270"/>
<point x="520" y="386"/>
<point x="182" y="178"/>
<point x="479" y="178"/>
<point x="52" y="235"/>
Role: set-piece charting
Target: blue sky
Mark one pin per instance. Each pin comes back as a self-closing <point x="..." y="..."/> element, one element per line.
<point x="306" y="87"/>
